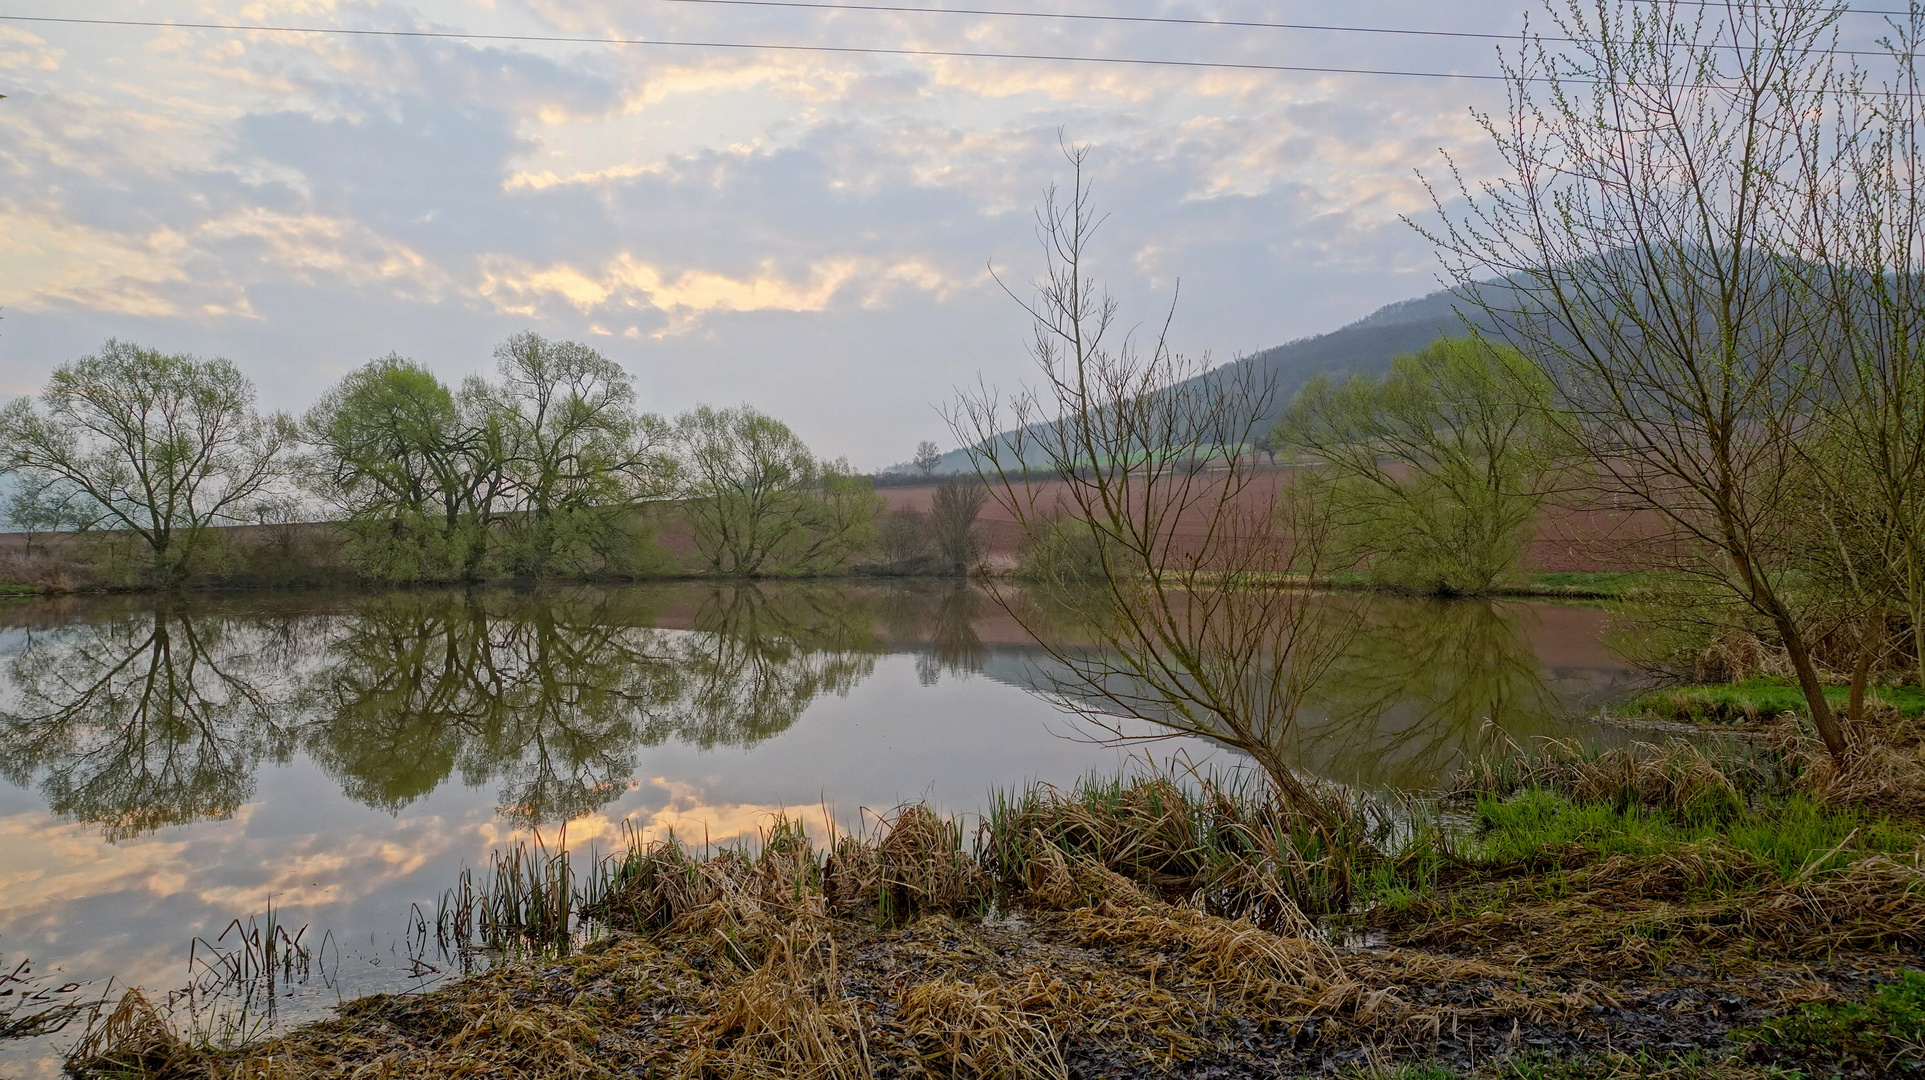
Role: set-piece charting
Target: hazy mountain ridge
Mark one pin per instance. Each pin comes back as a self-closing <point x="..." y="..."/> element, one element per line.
<point x="1365" y="346"/>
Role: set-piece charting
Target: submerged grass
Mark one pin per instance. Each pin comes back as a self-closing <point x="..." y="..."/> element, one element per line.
<point x="1171" y="924"/>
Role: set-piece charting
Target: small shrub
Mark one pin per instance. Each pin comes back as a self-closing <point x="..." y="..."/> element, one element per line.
<point x="1067" y="551"/>
<point x="903" y="542"/>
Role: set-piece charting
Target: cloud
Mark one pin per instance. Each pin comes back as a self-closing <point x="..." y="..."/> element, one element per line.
<point x="813" y="228"/>
<point x="683" y="808"/>
<point x="22" y="51"/>
<point x="58" y="862"/>
<point x="687" y="295"/>
<point x="54" y="261"/>
<point x="50" y="261"/>
<point x="309" y="245"/>
<point x="541" y="181"/>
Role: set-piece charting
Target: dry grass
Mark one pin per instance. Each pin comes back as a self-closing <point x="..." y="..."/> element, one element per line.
<point x="1213" y="842"/>
<point x="41" y="570"/>
<point x="987" y="1027"/>
<point x="1157" y="926"/>
<point x="1887" y="765"/>
<point x="133" y="1038"/>
<point x="911" y="864"/>
<point x="1676" y="775"/>
<point x="787" y="1019"/>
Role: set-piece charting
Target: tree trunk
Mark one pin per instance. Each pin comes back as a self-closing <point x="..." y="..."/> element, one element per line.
<point x="1868" y="639"/>
<point x="1285" y="780"/>
<point x="1837" y="743"/>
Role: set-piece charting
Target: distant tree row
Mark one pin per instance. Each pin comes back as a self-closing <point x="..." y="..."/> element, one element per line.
<point x="548" y="468"/>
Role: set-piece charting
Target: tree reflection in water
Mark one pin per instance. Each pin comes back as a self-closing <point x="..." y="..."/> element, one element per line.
<point x="136" y="717"/>
<point x="551" y="694"/>
<point x="1426" y="684"/>
<point x="939" y="621"/>
<point x="155" y="716"/>
<point x="543" y="693"/>
<point x="1422" y="686"/>
<point x="140" y="719"/>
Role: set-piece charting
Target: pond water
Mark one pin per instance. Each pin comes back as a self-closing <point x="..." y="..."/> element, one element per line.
<point x="169" y="767"/>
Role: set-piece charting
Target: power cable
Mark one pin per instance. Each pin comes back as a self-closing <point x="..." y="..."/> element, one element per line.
<point x="835" y="49"/>
<point x="1164" y="20"/>
<point x="667" y="43"/>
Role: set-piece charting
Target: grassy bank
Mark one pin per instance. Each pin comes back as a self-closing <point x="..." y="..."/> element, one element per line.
<point x="1758" y="700"/>
<point x="1593" y="585"/>
<point x="1729" y="915"/>
<point x="1571" y="585"/>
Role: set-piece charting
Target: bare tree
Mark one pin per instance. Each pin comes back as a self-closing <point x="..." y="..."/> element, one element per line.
<point x="928" y="456"/>
<point x="1861" y="257"/>
<point x="953" y="510"/>
<point x="1201" y="630"/>
<point x="903" y="539"/>
<point x="1641" y="246"/>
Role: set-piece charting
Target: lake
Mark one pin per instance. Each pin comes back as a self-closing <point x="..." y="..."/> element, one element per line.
<point x="168" y="767"/>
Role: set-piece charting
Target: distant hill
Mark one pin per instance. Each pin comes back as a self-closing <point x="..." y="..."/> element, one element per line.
<point x="1363" y="347"/>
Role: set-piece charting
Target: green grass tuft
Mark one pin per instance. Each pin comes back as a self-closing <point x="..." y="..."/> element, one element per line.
<point x="1760" y="699"/>
<point x="1884" y="1034"/>
<point x="1793" y="836"/>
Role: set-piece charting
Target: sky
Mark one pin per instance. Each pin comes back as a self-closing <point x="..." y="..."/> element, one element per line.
<point x="811" y="234"/>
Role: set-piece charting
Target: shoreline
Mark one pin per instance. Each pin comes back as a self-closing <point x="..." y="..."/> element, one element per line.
<point x="1145" y="928"/>
<point x="1521" y="591"/>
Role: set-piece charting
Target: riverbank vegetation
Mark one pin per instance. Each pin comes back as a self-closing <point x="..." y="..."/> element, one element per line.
<point x="1727" y="355"/>
<point x="1721" y="909"/>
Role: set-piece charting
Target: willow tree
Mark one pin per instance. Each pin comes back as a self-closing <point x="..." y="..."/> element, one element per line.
<point x="543" y="468"/>
<point x="417" y="475"/>
<point x="1640" y="244"/>
<point x="1199" y="628"/>
<point x="579" y="458"/>
<point x="1437" y="471"/>
<point x="760" y="502"/>
<point x="163" y="447"/>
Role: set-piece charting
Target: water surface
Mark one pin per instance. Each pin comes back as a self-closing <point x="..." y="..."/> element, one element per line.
<point x="168" y="766"/>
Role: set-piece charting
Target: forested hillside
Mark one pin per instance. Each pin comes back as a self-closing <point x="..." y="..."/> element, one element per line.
<point x="1365" y="346"/>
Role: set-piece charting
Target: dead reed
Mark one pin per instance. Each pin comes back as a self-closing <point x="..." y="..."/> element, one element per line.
<point x="1223" y="843"/>
<point x="32" y="1006"/>
<point x="248" y="956"/>
<point x="1677" y="775"/>
<point x="987" y="1028"/>
<point x="1146" y="923"/>
<point x="133" y="1039"/>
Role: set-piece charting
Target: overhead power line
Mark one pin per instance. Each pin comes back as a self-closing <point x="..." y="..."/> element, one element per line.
<point x="743" y="45"/>
<point x="972" y="54"/>
<point x="1166" y="20"/>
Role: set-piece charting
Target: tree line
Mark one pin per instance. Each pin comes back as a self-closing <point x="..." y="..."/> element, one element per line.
<point x="549" y="468"/>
